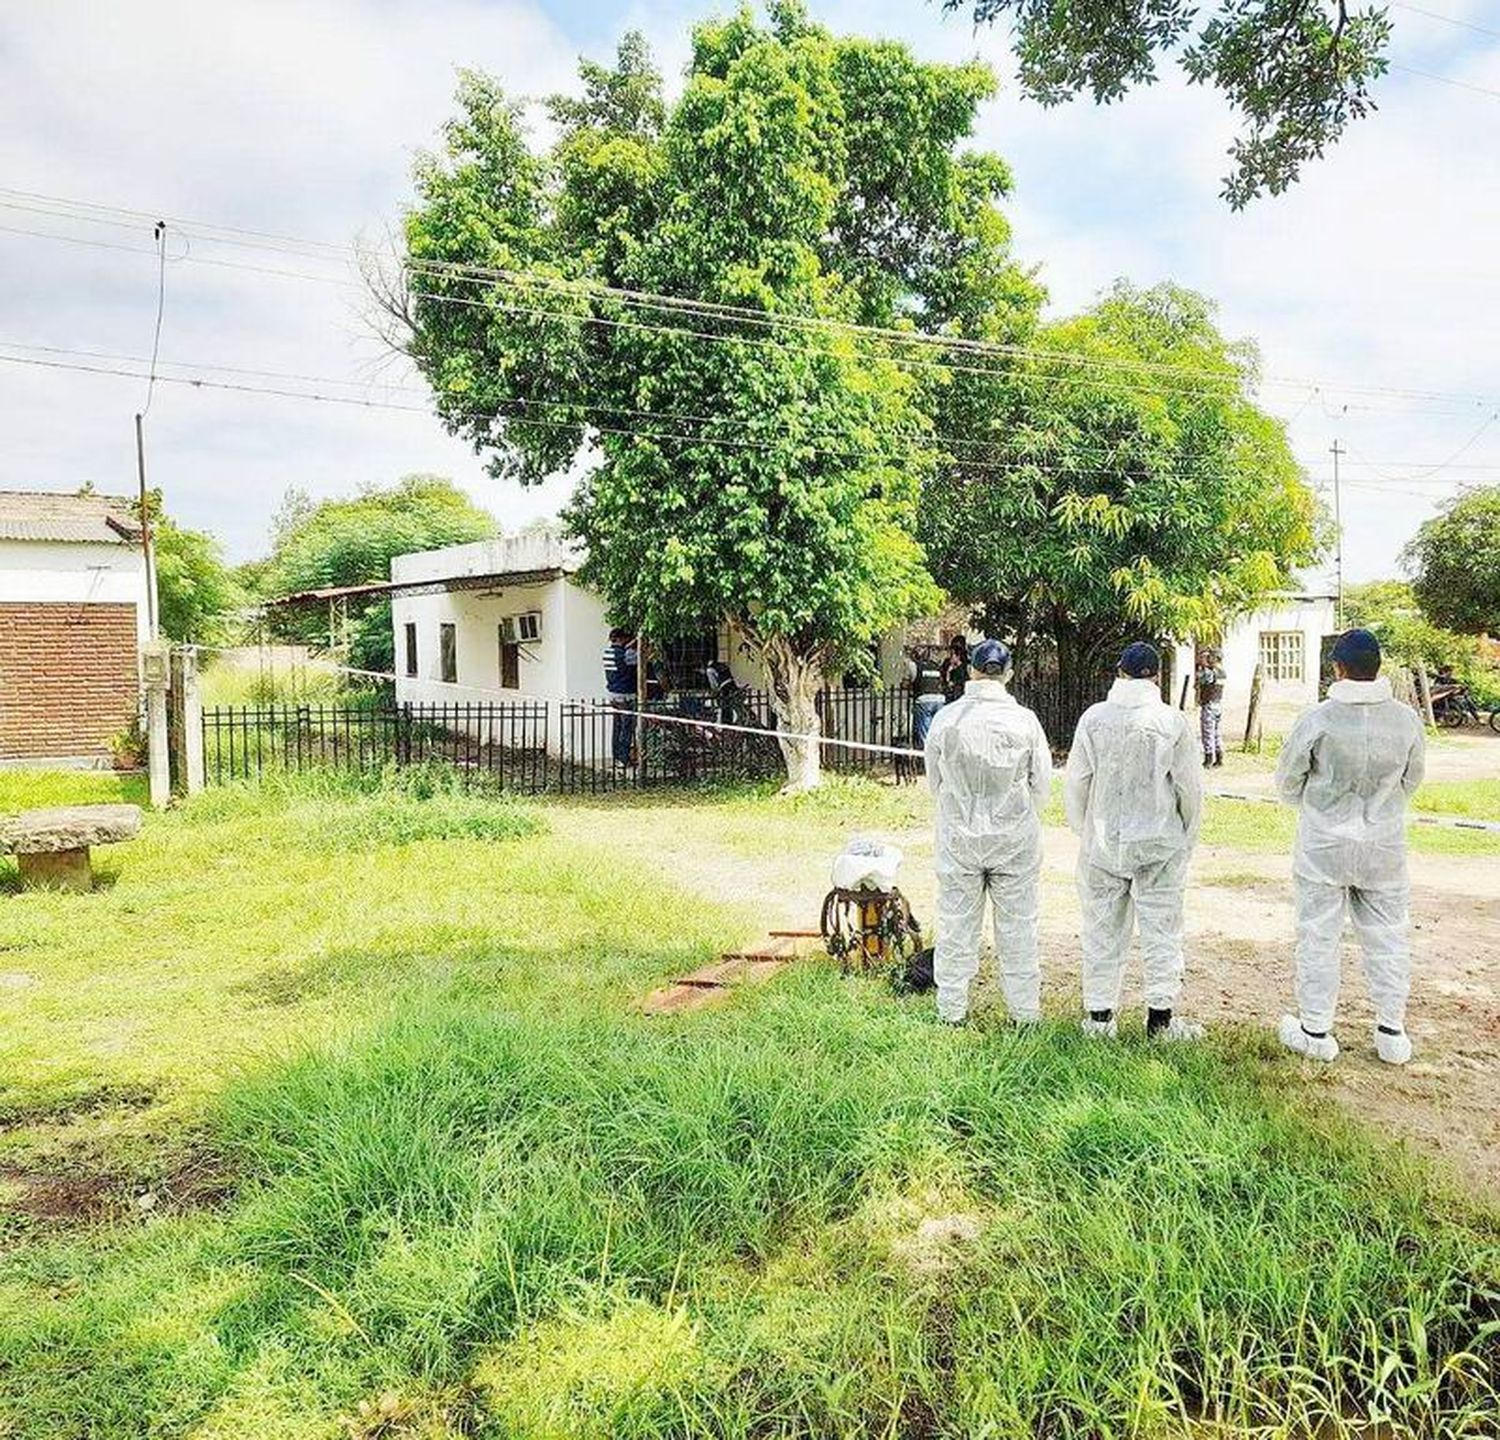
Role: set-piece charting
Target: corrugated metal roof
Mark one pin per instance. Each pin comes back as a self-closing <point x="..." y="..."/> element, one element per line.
<point x="79" y="519"/>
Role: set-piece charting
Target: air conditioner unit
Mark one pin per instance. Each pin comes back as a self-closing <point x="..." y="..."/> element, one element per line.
<point x="523" y="629"/>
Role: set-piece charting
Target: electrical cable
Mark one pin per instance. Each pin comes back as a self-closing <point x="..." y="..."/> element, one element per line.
<point x="161" y="306"/>
<point x="709" y="308"/>
<point x="721" y="442"/>
<point x="1445" y="80"/>
<point x="1447" y="19"/>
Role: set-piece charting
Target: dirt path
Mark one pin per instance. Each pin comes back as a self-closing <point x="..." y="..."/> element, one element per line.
<point x="1446" y="1103"/>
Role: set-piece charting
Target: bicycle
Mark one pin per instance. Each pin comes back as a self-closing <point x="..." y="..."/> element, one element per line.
<point x="1454" y="708"/>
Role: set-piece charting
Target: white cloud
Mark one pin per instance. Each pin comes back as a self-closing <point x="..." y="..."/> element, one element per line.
<point x="296" y="118"/>
<point x="302" y="118"/>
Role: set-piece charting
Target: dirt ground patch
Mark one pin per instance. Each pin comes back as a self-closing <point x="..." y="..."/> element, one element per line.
<point x="1446" y="1103"/>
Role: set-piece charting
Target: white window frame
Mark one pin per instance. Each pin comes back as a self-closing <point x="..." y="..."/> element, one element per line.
<point x="1283" y="656"/>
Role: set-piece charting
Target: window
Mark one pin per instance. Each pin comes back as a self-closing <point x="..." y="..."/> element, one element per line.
<point x="686" y="661"/>
<point x="411" y="647"/>
<point x="1281" y="654"/>
<point x="510" y="658"/>
<point x="448" y="653"/>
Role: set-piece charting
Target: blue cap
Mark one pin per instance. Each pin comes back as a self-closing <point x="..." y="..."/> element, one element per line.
<point x="1140" y="661"/>
<point x="1358" y="651"/>
<point x="990" y="655"/>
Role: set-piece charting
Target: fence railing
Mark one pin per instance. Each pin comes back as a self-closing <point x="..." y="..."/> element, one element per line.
<point x="573" y="746"/>
<point x="506" y="741"/>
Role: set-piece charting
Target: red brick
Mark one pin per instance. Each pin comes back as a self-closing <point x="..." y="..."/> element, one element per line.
<point x="68" y="677"/>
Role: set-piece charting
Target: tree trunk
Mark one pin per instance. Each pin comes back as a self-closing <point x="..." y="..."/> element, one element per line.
<point x="795" y="678"/>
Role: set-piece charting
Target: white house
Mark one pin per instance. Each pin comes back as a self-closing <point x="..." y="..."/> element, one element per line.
<point x="75" y="600"/>
<point x="477" y="621"/>
<point x="496" y="618"/>
<point x="1285" y="638"/>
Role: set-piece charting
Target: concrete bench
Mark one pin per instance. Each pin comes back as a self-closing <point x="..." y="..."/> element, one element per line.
<point x="52" y="846"/>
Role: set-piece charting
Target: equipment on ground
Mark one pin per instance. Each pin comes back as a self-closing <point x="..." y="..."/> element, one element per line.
<point x="866" y="923"/>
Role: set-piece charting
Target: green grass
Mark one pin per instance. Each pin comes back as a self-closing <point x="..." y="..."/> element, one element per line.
<point x="39" y="789"/>
<point x="466" y="1190"/>
<point x="1259" y="828"/>
<point x="1471" y="799"/>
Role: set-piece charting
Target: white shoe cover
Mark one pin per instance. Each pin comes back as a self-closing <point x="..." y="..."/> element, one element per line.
<point x="1294" y="1037"/>
<point x="1101" y="1029"/>
<point x="1393" y="1049"/>
<point x="1177" y="1029"/>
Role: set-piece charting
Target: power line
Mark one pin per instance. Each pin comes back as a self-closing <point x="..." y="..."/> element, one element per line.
<point x="583" y="415"/>
<point x="1445" y="80"/>
<point x="711" y="441"/>
<point x="1447" y="19"/>
<point x="572" y="408"/>
<point x="689" y="306"/>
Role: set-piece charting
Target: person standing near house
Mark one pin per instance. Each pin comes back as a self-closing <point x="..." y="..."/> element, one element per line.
<point x="1134" y="796"/>
<point x="990" y="769"/>
<point x="956" y="669"/>
<point x="926" y="678"/>
<point x="1349" y="766"/>
<point x="621" y="676"/>
<point x="1211" y="678"/>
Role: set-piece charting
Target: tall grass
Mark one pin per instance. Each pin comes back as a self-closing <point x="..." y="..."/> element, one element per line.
<point x="500" y="1203"/>
<point x="587" y="1225"/>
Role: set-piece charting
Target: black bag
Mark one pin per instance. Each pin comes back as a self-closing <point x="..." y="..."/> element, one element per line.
<point x="915" y="977"/>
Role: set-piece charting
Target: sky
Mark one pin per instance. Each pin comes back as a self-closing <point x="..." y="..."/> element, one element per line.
<point x="1372" y="287"/>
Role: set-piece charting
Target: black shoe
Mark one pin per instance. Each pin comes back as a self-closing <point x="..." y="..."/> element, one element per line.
<point x="1218" y="759"/>
<point x="1208" y="761"/>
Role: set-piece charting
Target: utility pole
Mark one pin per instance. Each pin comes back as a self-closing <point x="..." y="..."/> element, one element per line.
<point x="1338" y="526"/>
<point x="160" y="235"/>
<point x="145" y="509"/>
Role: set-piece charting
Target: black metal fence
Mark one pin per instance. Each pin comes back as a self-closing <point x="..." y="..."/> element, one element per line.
<point x="575" y="746"/>
<point x="506" y="741"/>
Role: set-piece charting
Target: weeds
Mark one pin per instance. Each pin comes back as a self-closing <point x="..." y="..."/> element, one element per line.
<point x="473" y="1194"/>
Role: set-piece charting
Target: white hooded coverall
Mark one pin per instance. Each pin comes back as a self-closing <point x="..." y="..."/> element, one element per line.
<point x="1134" y="796"/>
<point x="1348" y="766"/>
<point x="990" y="767"/>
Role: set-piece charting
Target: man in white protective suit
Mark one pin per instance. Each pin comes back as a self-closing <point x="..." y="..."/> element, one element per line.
<point x="1349" y="766"/>
<point x="1134" y="795"/>
<point x="990" y="768"/>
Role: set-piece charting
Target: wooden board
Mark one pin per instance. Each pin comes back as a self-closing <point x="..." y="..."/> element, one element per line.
<point x="735" y="968"/>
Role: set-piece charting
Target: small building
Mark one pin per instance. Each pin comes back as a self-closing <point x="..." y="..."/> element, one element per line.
<point x="75" y="605"/>
<point x="1286" y="637"/>
<point x="475" y="622"/>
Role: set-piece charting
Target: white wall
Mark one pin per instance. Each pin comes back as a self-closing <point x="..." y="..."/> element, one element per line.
<point x="75" y="573"/>
<point x="587" y="632"/>
<point x="1312" y="616"/>
<point x="476" y="616"/>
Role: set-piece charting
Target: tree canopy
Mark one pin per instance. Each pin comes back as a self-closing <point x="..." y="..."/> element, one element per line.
<point x="196" y="592"/>
<point x="1296" y="71"/>
<point x="671" y="287"/>
<point x="352" y="541"/>
<point x="1128" y="485"/>
<point x="1454" y="562"/>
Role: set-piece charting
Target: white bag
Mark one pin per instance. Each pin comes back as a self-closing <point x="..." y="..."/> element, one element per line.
<point x="866" y="865"/>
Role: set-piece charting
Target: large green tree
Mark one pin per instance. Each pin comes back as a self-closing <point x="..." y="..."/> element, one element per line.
<point x="1454" y="562"/>
<point x="352" y="541"/>
<point x="1296" y="71"/>
<point x="671" y="287"/>
<point x="1117" y="480"/>
<point x="196" y="592"/>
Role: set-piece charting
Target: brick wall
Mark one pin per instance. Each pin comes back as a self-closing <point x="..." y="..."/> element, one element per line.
<point x="68" y="678"/>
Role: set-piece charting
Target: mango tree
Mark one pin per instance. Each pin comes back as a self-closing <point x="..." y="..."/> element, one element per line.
<point x="673" y="296"/>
